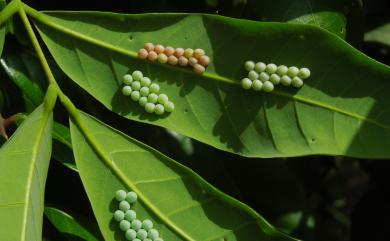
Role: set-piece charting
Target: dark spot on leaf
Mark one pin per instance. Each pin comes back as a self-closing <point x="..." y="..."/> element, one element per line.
<point x="186" y="110"/>
<point x="131" y="37"/>
<point x="313" y="140"/>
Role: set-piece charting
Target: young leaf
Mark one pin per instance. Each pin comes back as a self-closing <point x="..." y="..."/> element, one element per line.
<point x="337" y="112"/>
<point x="68" y="225"/>
<point x="24" y="161"/>
<point x="182" y="205"/>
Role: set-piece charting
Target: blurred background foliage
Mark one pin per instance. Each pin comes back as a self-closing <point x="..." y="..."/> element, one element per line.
<point x="314" y="198"/>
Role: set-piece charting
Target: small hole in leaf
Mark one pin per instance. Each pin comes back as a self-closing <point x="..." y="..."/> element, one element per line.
<point x="186" y="110"/>
<point x="313" y="140"/>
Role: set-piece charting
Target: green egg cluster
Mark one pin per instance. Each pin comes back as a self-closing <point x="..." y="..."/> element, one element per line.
<point x="264" y="77"/>
<point x="141" y="89"/>
<point x="134" y="229"/>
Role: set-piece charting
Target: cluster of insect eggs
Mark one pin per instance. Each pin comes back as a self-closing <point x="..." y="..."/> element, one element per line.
<point x="142" y="90"/>
<point x="263" y="76"/>
<point x="134" y="229"/>
<point x="197" y="59"/>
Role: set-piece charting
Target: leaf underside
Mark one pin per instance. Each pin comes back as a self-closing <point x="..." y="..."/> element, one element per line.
<point x="24" y="162"/>
<point x="181" y="204"/>
<point x="341" y="110"/>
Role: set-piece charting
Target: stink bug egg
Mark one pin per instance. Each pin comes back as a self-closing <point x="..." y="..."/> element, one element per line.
<point x="246" y="83"/>
<point x="271" y="68"/>
<point x="143" y="54"/>
<point x="282" y="70"/>
<point x="268" y="86"/>
<point x="137" y="75"/>
<point x="120" y="195"/>
<point x="285" y="80"/>
<point x="154" y="88"/>
<point x="253" y="75"/>
<point x="204" y="60"/>
<point x="260" y="67"/>
<point x="126" y="90"/>
<point x="130" y="234"/>
<point x="249" y="65"/>
<point x="152" y="56"/>
<point x="127" y="79"/>
<point x="183" y="61"/>
<point x="192" y="61"/>
<point x="131" y="197"/>
<point x="292" y="71"/>
<point x="135" y="95"/>
<point x="149" y="107"/>
<point x="297" y="82"/>
<point x="124" y="225"/>
<point x="179" y="52"/>
<point x="159" y="109"/>
<point x="188" y="52"/>
<point x="198" y="53"/>
<point x="149" y="47"/>
<point x="145" y="81"/>
<point x="257" y="85"/>
<point x="124" y="206"/>
<point x="198" y="69"/>
<point x="304" y="73"/>
<point x="136" y="224"/>
<point x="119" y="215"/>
<point x="162" y="58"/>
<point x="169" y="51"/>
<point x="275" y="79"/>
<point x="263" y="76"/>
<point x="172" y="60"/>
<point x="159" y="48"/>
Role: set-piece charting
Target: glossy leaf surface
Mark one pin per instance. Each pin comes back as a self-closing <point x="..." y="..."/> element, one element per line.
<point x="24" y="161"/>
<point x="68" y="225"/>
<point x="337" y="112"/>
<point x="181" y="204"/>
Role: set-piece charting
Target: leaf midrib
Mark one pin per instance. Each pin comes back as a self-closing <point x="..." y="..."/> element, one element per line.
<point x="34" y="155"/>
<point x="42" y="18"/>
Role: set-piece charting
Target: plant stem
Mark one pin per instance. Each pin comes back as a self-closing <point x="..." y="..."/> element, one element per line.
<point x="10" y="10"/>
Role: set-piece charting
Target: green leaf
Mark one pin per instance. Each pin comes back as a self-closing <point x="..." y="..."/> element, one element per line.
<point x="341" y="110"/>
<point x="68" y="225"/>
<point x="62" y="146"/>
<point x="325" y="14"/>
<point x="25" y="71"/>
<point x="380" y="34"/>
<point x="24" y="161"/>
<point x="182" y="205"/>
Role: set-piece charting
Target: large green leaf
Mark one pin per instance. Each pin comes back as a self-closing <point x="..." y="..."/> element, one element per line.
<point x="24" y="161"/>
<point x="68" y="225"/>
<point x="341" y="110"/>
<point x="181" y="204"/>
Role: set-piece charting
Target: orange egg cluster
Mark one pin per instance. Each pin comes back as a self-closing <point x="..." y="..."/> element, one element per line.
<point x="196" y="59"/>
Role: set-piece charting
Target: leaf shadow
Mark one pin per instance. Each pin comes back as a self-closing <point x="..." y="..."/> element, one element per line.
<point x="114" y="225"/>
